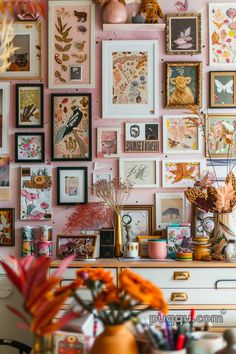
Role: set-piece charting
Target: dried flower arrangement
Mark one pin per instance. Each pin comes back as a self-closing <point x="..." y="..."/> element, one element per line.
<point x="7" y="48"/>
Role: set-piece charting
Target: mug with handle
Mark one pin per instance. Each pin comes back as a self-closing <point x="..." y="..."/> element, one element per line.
<point x="130" y="249"/>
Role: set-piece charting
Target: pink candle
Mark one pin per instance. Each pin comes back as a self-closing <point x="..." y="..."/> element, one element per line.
<point x="157" y="249"/>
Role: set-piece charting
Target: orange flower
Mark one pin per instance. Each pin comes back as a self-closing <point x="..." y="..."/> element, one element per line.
<point x="106" y="297"/>
<point x="92" y="274"/>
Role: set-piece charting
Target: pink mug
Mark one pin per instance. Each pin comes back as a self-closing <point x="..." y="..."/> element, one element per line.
<point x="157" y="249"/>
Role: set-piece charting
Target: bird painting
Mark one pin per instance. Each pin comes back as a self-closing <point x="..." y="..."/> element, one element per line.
<point x="182" y="6"/>
<point x="73" y="122"/>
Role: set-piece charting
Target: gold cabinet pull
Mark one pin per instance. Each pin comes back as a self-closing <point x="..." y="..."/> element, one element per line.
<point x="179" y="297"/>
<point x="181" y="275"/>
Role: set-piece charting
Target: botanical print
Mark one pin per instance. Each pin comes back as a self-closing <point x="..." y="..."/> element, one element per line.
<point x="140" y="172"/>
<point x="217" y="126"/>
<point x="139" y="223"/>
<point x="180" y="174"/>
<point x="141" y="137"/>
<point x="4" y="177"/>
<point x="80" y="246"/>
<point x="29" y="147"/>
<point x="7" y="232"/>
<point x="29" y="104"/>
<point x="71" y="127"/>
<point x="108" y="142"/>
<point x="222" y="26"/>
<point x="36" y="193"/>
<point x="178" y="236"/>
<point x="130" y="77"/>
<point x="170" y="208"/>
<point x="223" y="91"/>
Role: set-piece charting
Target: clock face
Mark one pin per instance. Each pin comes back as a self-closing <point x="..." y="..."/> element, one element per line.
<point x="126" y="219"/>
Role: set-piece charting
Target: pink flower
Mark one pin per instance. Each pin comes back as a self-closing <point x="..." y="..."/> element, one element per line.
<point x="227" y="60"/>
<point x="219" y="51"/>
<point x="44" y="205"/>
<point x="231" y="12"/>
<point x="31" y="196"/>
<point x="38" y="216"/>
<point x="228" y="40"/>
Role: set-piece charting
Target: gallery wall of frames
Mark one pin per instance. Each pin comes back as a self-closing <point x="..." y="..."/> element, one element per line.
<point x="103" y="104"/>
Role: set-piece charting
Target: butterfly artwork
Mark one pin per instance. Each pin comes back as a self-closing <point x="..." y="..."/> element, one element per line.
<point x="222" y="89"/>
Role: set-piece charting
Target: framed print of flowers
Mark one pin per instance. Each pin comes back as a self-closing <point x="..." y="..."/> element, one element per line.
<point x="130" y="79"/>
<point x="222" y="89"/>
<point x="4" y="177"/>
<point x="71" y="44"/>
<point x="7" y="227"/>
<point x="71" y="127"/>
<point x="108" y="142"/>
<point x="222" y="26"/>
<point x="36" y="193"/>
<point x="29" y="147"/>
<point x="4" y="117"/>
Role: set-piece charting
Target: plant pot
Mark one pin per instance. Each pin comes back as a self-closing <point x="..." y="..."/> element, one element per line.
<point x="115" y="12"/>
<point x="115" y="339"/>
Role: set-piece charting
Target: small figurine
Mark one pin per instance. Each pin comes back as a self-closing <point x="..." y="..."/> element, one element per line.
<point x="140" y="18"/>
<point x="152" y="10"/>
<point x="25" y="11"/>
<point x="182" y="6"/>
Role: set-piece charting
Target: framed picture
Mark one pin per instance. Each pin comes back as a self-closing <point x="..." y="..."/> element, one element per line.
<point x="183" y="84"/>
<point x="4" y="177"/>
<point x="29" y="105"/>
<point x="143" y="244"/>
<point x="71" y="127"/>
<point x="72" y="185"/>
<point x="7" y="227"/>
<point x="29" y="147"/>
<point x="82" y="246"/>
<point x="178" y="236"/>
<point x="170" y="208"/>
<point x="222" y="89"/>
<point x="36" y="193"/>
<point x="71" y="47"/>
<point x="26" y="61"/>
<point x="142" y="173"/>
<point x="216" y="146"/>
<point x="180" y="136"/>
<point x="4" y="117"/>
<point x="140" y="218"/>
<point x="98" y="176"/>
<point x="108" y="142"/>
<point x="130" y="81"/>
<point x="142" y="137"/>
<point x="181" y="173"/>
<point x="183" y="33"/>
<point x="221" y="33"/>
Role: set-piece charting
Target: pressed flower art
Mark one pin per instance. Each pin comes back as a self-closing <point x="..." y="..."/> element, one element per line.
<point x="29" y="147"/>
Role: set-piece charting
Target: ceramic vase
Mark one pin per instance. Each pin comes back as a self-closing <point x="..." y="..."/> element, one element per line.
<point x="225" y="225"/>
<point x="115" y="339"/>
<point x="115" y="12"/>
<point x="118" y="236"/>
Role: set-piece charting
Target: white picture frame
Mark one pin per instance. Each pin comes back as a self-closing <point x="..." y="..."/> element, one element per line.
<point x="73" y="81"/>
<point x="175" y="213"/>
<point x="4" y="117"/>
<point x="113" y="105"/>
<point x="108" y="142"/>
<point x="191" y="136"/>
<point x="192" y="169"/>
<point x="141" y="172"/>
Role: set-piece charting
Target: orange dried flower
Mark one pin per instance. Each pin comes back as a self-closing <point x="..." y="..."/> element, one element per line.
<point x="92" y="274"/>
<point x="106" y="297"/>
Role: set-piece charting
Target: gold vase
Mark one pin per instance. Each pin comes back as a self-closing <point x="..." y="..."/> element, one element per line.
<point x="118" y="236"/>
<point x="42" y="345"/>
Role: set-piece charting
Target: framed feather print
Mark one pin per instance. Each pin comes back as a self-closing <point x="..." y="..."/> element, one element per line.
<point x="222" y="89"/>
<point x="71" y="127"/>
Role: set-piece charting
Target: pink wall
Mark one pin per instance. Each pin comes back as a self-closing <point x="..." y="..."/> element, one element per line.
<point x="138" y="196"/>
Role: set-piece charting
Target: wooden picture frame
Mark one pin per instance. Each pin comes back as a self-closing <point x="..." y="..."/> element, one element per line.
<point x="222" y="89"/>
<point x="7" y="226"/>
<point x="142" y="137"/>
<point x="74" y="245"/>
<point x="143" y="244"/>
<point x="183" y="33"/>
<point x="71" y="45"/>
<point x="71" y="121"/>
<point x="4" y="117"/>
<point x="108" y="142"/>
<point x="29" y="105"/>
<point x="72" y="185"/>
<point x="29" y="147"/>
<point x="188" y="76"/>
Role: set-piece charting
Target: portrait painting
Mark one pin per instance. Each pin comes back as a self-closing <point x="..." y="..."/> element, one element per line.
<point x="81" y="246"/>
<point x="170" y="208"/>
<point x="142" y="137"/>
<point x="7" y="227"/>
<point x="108" y="142"/>
<point x="4" y="177"/>
<point x="222" y="89"/>
<point x="29" y="147"/>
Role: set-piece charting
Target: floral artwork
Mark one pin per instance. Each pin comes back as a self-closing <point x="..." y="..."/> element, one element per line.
<point x="217" y="125"/>
<point x="29" y="147"/>
<point x="130" y="77"/>
<point x="222" y="26"/>
<point x="5" y="177"/>
<point x="7" y="227"/>
<point x="180" y="174"/>
<point x="178" y="237"/>
<point x="72" y="185"/>
<point x="36" y="193"/>
<point x="71" y="122"/>
<point x="108" y="142"/>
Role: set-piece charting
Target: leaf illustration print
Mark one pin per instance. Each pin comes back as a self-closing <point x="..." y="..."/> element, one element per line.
<point x="184" y="39"/>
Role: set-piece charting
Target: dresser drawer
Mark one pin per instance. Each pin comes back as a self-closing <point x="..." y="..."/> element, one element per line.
<point x="204" y="278"/>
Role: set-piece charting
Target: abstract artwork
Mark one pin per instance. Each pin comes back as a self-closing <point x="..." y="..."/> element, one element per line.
<point x="7" y="227"/>
<point x="170" y="208"/>
<point x="4" y="177"/>
<point x="108" y="142"/>
<point x="142" y="137"/>
<point x="29" y="147"/>
<point x="222" y="89"/>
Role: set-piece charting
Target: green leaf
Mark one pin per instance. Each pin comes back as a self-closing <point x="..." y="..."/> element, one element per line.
<point x="61" y="79"/>
<point x="57" y="73"/>
<point x="59" y="39"/>
<point x="67" y="47"/>
<point x="58" y="29"/>
<point x="64" y="67"/>
<point x="59" y="22"/>
<point x="65" y="57"/>
<point x="68" y="40"/>
<point x="65" y="34"/>
<point x="58" y="47"/>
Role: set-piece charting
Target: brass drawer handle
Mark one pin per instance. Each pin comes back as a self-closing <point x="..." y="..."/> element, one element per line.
<point x="181" y="275"/>
<point x="179" y="297"/>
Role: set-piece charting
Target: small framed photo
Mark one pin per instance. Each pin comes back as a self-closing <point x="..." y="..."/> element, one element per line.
<point x="141" y="172"/>
<point x="72" y="185"/>
<point x="71" y="127"/>
<point x="130" y="79"/>
<point x="108" y="142"/>
<point x="25" y="63"/>
<point x="76" y="73"/>
<point x="7" y="227"/>
<point x="222" y="89"/>
<point x="5" y="177"/>
<point x="82" y="246"/>
<point x="183" y="84"/>
<point x="29" y="105"/>
<point x="183" y="33"/>
<point x="4" y="117"/>
<point x="143" y="244"/>
<point x="216" y="146"/>
<point x="29" y="147"/>
<point x="180" y="136"/>
<point x="142" y="137"/>
<point x="181" y="173"/>
<point x="140" y="218"/>
<point x="178" y="236"/>
<point x="170" y="208"/>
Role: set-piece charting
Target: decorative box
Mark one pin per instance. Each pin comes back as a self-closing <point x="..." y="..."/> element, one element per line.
<point x="106" y="251"/>
<point x="107" y="237"/>
<point x="69" y="343"/>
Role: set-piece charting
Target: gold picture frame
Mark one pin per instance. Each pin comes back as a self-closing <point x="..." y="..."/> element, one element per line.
<point x="222" y="89"/>
<point x="143" y="244"/>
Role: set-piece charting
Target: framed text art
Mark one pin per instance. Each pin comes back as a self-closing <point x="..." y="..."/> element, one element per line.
<point x="72" y="185"/>
<point x="108" y="142"/>
<point x="142" y="137"/>
<point x="71" y="44"/>
<point x="7" y="227"/>
<point x="71" y="127"/>
<point x="222" y="89"/>
<point x="25" y="63"/>
<point x="130" y="81"/>
<point x="4" y="117"/>
<point x="29" y="105"/>
<point x="29" y="147"/>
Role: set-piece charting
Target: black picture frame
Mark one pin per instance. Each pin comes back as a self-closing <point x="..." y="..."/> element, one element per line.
<point x="12" y="228"/>
<point x="73" y="139"/>
<point x="85" y="185"/>
<point x="28" y="160"/>
<point x="41" y="105"/>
